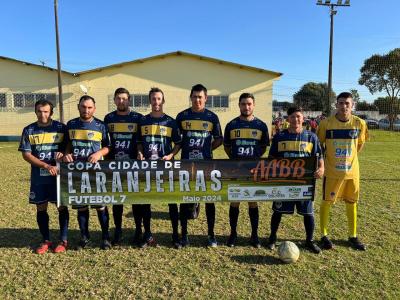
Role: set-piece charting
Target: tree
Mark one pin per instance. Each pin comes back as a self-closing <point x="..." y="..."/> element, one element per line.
<point x="356" y="96"/>
<point x="385" y="105"/>
<point x="365" y="106"/>
<point x="313" y="96"/>
<point x="381" y="73"/>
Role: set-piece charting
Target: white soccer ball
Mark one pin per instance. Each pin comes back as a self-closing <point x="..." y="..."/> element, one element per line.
<point x="288" y="252"/>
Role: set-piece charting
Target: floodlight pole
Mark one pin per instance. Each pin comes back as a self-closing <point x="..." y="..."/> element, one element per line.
<point x="332" y="13"/>
<point x="60" y="99"/>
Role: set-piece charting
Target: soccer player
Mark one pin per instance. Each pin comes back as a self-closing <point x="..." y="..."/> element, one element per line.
<point x="201" y="134"/>
<point x="296" y="142"/>
<point x="123" y="125"/>
<point x="88" y="140"/>
<point x="343" y="136"/>
<point x="41" y="144"/>
<point x="158" y="132"/>
<point x="245" y="137"/>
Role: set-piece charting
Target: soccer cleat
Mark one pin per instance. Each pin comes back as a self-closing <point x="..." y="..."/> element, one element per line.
<point x="232" y="240"/>
<point x="117" y="238"/>
<point x="212" y="242"/>
<point x="326" y="243"/>
<point x="148" y="241"/>
<point x="271" y="243"/>
<point x="83" y="243"/>
<point x="61" y="247"/>
<point x="356" y="244"/>
<point x="176" y="242"/>
<point x="105" y="245"/>
<point x="312" y="247"/>
<point x="43" y="247"/>
<point x="185" y="240"/>
<point x="255" y="242"/>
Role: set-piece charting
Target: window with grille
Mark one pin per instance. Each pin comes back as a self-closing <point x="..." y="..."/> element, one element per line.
<point x="3" y="100"/>
<point x="29" y="99"/>
<point x="140" y="100"/>
<point x="217" y="101"/>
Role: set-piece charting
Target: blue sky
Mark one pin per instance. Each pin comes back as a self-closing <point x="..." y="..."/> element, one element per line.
<point x="288" y="36"/>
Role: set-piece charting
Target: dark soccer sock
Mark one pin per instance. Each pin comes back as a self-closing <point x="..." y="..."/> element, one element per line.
<point x="174" y="216"/>
<point x="146" y="211"/>
<point x="309" y="225"/>
<point x="117" y="215"/>
<point x="104" y="217"/>
<point x="233" y="218"/>
<point x="63" y="221"/>
<point x="253" y="215"/>
<point x="137" y="216"/>
<point x="275" y="220"/>
<point x="183" y="213"/>
<point x="83" y="221"/>
<point x="210" y="213"/>
<point x="42" y="219"/>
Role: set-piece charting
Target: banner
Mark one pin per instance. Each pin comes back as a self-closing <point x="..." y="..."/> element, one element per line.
<point x="185" y="181"/>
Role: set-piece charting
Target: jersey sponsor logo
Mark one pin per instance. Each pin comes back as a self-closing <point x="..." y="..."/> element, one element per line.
<point x="197" y="125"/>
<point x="46" y="138"/>
<point x="156" y="130"/>
<point x="85" y="135"/>
<point x="299" y="146"/>
<point x="342" y="134"/>
<point x="245" y="133"/>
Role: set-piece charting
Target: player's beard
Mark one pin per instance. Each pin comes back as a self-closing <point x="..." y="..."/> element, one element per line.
<point x="122" y="108"/>
<point x="246" y="114"/>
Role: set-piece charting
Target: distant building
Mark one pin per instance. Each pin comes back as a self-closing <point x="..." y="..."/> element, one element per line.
<point x="22" y="83"/>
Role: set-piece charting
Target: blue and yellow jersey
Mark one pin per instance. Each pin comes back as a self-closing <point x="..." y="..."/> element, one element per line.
<point x="157" y="135"/>
<point x="87" y="138"/>
<point x="124" y="130"/>
<point x="43" y="143"/>
<point x="341" y="141"/>
<point x="246" y="138"/>
<point x="198" y="130"/>
<point x="286" y="144"/>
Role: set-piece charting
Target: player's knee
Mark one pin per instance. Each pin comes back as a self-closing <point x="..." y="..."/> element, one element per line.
<point x="235" y="204"/>
<point x="62" y="208"/>
<point x="253" y="204"/>
<point x="83" y="209"/>
<point x="42" y="206"/>
<point x="101" y="208"/>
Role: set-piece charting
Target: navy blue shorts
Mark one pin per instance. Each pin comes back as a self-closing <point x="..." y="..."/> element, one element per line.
<point x="42" y="193"/>
<point x="287" y="207"/>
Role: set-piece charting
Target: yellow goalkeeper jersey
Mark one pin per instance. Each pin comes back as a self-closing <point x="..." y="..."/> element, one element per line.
<point x="341" y="141"/>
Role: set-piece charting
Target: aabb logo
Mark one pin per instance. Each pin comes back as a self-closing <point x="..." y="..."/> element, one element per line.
<point x="278" y="168"/>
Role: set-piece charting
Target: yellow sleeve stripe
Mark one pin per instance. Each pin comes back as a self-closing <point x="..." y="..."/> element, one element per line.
<point x="295" y="146"/>
<point x="123" y="127"/>
<point x="46" y="138"/>
<point x="156" y="130"/>
<point x="245" y="133"/>
<point x="85" y="135"/>
<point x="197" y="125"/>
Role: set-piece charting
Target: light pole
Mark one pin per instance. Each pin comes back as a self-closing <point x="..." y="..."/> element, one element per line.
<point x="60" y="98"/>
<point x="332" y="12"/>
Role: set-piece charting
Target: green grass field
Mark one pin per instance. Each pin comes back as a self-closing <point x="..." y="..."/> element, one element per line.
<point x="197" y="272"/>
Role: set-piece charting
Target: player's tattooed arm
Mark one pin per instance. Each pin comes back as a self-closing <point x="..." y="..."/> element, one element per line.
<point x="30" y="158"/>
<point x="68" y="154"/>
<point x="320" y="170"/>
<point x="174" y="151"/>
<point x="95" y="157"/>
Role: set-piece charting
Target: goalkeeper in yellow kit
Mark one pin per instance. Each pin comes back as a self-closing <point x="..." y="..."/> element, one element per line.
<point x="343" y="136"/>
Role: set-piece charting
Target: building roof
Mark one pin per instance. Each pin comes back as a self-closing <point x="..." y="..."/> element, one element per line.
<point x="181" y="53"/>
<point x="142" y="60"/>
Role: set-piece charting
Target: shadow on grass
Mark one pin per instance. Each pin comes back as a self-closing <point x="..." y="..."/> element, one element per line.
<point x="257" y="259"/>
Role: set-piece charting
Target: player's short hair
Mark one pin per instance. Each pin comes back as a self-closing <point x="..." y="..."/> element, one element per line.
<point x="293" y="109"/>
<point x="198" y="88"/>
<point x="245" y="96"/>
<point x="86" y="97"/>
<point x="344" y="95"/>
<point x="121" y="90"/>
<point x="44" y="102"/>
<point x="156" y="90"/>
